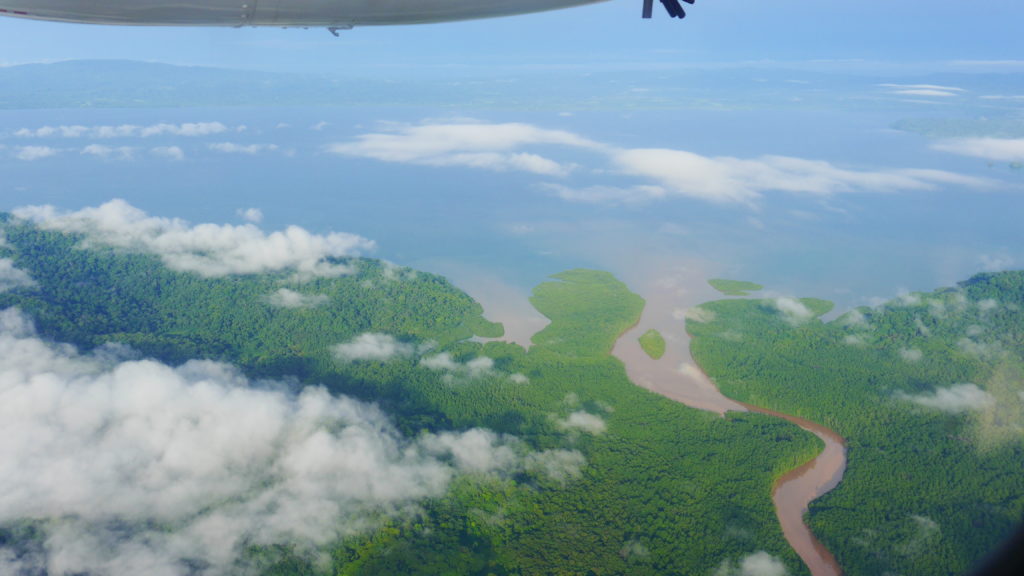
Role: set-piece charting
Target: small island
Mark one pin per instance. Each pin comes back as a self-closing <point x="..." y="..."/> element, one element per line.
<point x="653" y="344"/>
<point x="734" y="287"/>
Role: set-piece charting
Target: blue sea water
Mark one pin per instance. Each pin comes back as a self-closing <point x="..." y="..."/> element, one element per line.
<point x="510" y="228"/>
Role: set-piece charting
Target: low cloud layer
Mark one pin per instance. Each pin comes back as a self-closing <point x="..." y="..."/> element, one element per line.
<point x="207" y="249"/>
<point x="372" y="346"/>
<point x="285" y="298"/>
<point x="479" y="366"/>
<point x="12" y="277"/>
<point x="757" y="564"/>
<point x="925" y="90"/>
<point x="475" y="145"/>
<point x="583" y="422"/>
<point x="793" y="310"/>
<point x="168" y="152"/>
<point x="743" y="181"/>
<point x="247" y="149"/>
<point x="32" y="153"/>
<point x="954" y="399"/>
<point x="994" y="149"/>
<point x="663" y="172"/>
<point x="109" y="152"/>
<point x="124" y="130"/>
<point x="143" y="468"/>
<point x="911" y="355"/>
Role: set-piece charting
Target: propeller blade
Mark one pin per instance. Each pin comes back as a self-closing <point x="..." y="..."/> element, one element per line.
<point x="675" y="10"/>
<point x="673" y="7"/>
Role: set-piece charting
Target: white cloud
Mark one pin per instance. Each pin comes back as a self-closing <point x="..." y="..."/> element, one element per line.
<point x="254" y="215"/>
<point x="558" y="465"/>
<point x="11" y="277"/>
<point x="442" y="361"/>
<point x="47" y="131"/>
<point x="249" y="149"/>
<point x="105" y="152"/>
<point x="475" y="450"/>
<point x="759" y="563"/>
<point x="690" y="370"/>
<point x="994" y="149"/>
<point x="669" y="172"/>
<point x="169" y="152"/>
<point x="186" y="129"/>
<point x="479" y="366"/>
<point x="793" y="310"/>
<point x="988" y="304"/>
<point x="698" y="314"/>
<point x="983" y="350"/>
<point x="199" y="462"/>
<point x="285" y="298"/>
<point x="854" y="340"/>
<point x="584" y="422"/>
<point x="207" y="249"/>
<point x="996" y="263"/>
<point x="519" y="378"/>
<point x="921" y="328"/>
<point x="855" y="318"/>
<point x="955" y="399"/>
<point x="1003" y="97"/>
<point x="30" y="153"/>
<point x="372" y="346"/>
<point x="923" y="87"/>
<point x="911" y="355"/>
<point x="319" y="126"/>
<point x="125" y="130"/>
<point x="928" y="90"/>
<point x="607" y="194"/>
<point x="742" y="181"/>
<point x="475" y="145"/>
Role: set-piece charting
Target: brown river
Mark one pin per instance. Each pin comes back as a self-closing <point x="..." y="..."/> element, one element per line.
<point x="676" y="376"/>
<point x="670" y="293"/>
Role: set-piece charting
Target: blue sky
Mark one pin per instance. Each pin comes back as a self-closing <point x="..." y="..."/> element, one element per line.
<point x="716" y="31"/>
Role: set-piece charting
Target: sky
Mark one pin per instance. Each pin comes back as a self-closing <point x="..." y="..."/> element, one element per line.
<point x="611" y="33"/>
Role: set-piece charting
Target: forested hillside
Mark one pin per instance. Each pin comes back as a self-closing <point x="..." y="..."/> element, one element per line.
<point x="928" y="391"/>
<point x="614" y="479"/>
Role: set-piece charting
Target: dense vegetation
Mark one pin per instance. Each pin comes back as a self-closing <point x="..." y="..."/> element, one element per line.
<point x="653" y="343"/>
<point x="734" y="287"/>
<point x="665" y="489"/>
<point x="928" y="391"/>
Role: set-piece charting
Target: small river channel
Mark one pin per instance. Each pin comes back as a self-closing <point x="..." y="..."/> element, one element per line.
<point x="677" y="377"/>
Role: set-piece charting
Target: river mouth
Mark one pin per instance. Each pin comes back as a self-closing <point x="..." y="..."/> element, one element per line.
<point x="677" y="377"/>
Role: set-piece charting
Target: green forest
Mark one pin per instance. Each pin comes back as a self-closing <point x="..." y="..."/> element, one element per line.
<point x="653" y="344"/>
<point x="663" y="490"/>
<point x="928" y="391"/>
<point x="734" y="287"/>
